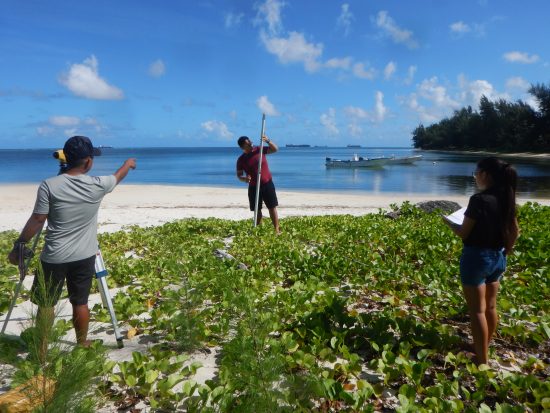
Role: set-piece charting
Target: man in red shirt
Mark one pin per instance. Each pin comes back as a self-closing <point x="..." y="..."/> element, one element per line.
<point x="247" y="171"/>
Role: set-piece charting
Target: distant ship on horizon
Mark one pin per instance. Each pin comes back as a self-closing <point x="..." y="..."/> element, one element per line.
<point x="354" y="146"/>
<point x="292" y="145"/>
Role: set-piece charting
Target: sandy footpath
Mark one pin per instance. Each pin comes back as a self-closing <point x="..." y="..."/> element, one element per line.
<point x="149" y="205"/>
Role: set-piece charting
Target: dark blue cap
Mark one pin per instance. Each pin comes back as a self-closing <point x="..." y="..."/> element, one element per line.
<point x="79" y="147"/>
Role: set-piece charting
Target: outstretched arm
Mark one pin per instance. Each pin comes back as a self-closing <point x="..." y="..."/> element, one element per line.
<point x="121" y="173"/>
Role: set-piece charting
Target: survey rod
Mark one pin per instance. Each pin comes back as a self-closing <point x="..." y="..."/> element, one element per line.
<point x="258" y="181"/>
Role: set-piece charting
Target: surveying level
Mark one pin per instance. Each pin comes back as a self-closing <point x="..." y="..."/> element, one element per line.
<point x="63" y="165"/>
<point x="100" y="274"/>
<point x="59" y="154"/>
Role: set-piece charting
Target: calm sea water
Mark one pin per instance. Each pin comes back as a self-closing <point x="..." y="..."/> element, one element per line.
<point x="292" y="169"/>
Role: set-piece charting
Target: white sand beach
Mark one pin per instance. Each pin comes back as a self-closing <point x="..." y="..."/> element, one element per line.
<point x="150" y="205"/>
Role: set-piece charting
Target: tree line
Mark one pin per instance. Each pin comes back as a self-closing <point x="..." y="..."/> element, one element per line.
<point x="497" y="126"/>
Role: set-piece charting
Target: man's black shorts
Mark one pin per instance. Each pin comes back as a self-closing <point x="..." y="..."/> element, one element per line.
<point x="267" y="195"/>
<point x="79" y="275"/>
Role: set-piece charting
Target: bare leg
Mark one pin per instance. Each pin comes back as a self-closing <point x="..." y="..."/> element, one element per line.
<point x="81" y="320"/>
<point x="475" y="299"/>
<point x="259" y="218"/>
<point x="491" y="291"/>
<point x="274" y="218"/>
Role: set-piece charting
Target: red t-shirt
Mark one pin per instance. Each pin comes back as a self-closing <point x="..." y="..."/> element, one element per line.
<point x="248" y="162"/>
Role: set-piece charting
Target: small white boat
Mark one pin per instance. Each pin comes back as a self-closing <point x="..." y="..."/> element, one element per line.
<point x="356" y="162"/>
<point x="403" y="159"/>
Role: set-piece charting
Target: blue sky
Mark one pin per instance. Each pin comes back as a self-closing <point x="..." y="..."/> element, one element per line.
<point x="185" y="73"/>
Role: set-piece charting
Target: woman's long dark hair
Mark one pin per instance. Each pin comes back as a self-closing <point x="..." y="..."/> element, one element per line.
<point x="504" y="178"/>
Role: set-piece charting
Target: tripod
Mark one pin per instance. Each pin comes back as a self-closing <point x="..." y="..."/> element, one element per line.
<point x="100" y="274"/>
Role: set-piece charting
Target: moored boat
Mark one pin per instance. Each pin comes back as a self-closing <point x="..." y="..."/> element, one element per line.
<point x="403" y="159"/>
<point x="356" y="162"/>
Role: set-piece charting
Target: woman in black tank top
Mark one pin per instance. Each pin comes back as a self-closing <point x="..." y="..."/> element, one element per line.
<point x="489" y="232"/>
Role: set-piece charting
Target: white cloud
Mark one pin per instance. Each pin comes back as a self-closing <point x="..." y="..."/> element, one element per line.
<point x="345" y="19"/>
<point x="69" y="125"/>
<point x="356" y="112"/>
<point x="44" y="130"/>
<point x="233" y="20"/>
<point x="157" y="68"/>
<point x="328" y="120"/>
<point x="64" y="120"/>
<point x="517" y="83"/>
<point x="411" y="71"/>
<point x="294" y="49"/>
<point x="93" y="123"/>
<point x="217" y="128"/>
<point x="380" y="111"/>
<point x="531" y="101"/>
<point x="358" y="115"/>
<point x="459" y="27"/>
<point x="355" y="130"/>
<point x="518" y="87"/>
<point x="398" y="35"/>
<point x="266" y="106"/>
<point x="291" y="47"/>
<point x="520" y="57"/>
<point x="83" y="80"/>
<point x="362" y="73"/>
<point x="424" y="114"/>
<point x="433" y="101"/>
<point x="339" y="63"/>
<point x="389" y="70"/>
<point x="470" y="92"/>
<point x="270" y="12"/>
<point x="476" y="89"/>
<point x="436" y="101"/>
<point x="431" y="90"/>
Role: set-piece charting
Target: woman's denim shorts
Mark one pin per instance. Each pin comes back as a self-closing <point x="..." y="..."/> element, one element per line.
<point x="481" y="265"/>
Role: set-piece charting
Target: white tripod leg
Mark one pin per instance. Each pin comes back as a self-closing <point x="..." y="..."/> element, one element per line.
<point x="12" y="305"/>
<point x="100" y="274"/>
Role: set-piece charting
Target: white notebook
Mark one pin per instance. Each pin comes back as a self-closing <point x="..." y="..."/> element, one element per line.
<point x="456" y="217"/>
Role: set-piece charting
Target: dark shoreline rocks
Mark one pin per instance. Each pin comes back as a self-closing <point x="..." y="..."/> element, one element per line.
<point x="444" y="206"/>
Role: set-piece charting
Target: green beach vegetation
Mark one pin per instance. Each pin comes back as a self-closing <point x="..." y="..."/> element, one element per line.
<point x="499" y="126"/>
<point x="337" y="314"/>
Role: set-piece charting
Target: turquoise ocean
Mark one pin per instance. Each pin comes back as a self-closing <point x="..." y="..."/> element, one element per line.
<point x="299" y="169"/>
